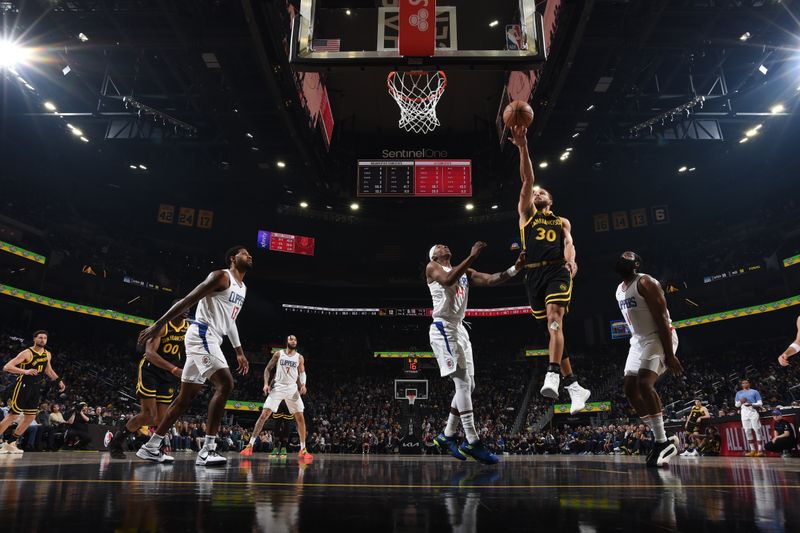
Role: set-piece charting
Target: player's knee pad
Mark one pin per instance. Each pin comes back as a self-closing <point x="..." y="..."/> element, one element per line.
<point x="554" y="325"/>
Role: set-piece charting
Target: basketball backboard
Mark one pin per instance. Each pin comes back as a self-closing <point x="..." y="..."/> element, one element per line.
<point x="335" y="34"/>
<point x="401" y="386"/>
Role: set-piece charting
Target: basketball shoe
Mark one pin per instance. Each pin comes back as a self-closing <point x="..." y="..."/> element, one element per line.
<point x="248" y="450"/>
<point x="550" y="388"/>
<point x="578" y="396"/>
<point x="479" y="453"/>
<point x="450" y="444"/>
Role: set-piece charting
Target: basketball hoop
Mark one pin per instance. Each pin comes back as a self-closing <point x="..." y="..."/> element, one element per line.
<point x="417" y="94"/>
<point x="411" y="396"/>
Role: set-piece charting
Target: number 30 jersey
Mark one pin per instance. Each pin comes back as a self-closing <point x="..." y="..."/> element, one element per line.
<point x="218" y="311"/>
<point x="543" y="237"/>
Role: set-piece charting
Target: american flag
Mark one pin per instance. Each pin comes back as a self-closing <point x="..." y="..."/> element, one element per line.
<point x="326" y="45"/>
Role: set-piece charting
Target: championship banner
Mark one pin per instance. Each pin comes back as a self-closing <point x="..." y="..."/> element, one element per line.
<point x="591" y="407"/>
<point x="789" y="261"/>
<point x="243" y="405"/>
<point x="417" y="28"/>
<point x="402" y="355"/>
<point x="536" y="353"/>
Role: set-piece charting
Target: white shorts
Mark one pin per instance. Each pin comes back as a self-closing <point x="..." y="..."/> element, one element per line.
<point x="648" y="353"/>
<point x="451" y="346"/>
<point x="753" y="423"/>
<point x="203" y="355"/>
<point x="294" y="402"/>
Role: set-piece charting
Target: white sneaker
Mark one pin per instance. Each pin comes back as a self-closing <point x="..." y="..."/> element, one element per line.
<point x="209" y="458"/>
<point x="551" y="382"/>
<point x="686" y="453"/>
<point x="4" y="448"/>
<point x="578" y="395"/>
<point x="155" y="455"/>
<point x="666" y="454"/>
<point x="11" y="448"/>
<point x="695" y="453"/>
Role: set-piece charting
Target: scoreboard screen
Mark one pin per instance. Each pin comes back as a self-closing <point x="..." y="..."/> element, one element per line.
<point x="419" y="177"/>
<point x="285" y="242"/>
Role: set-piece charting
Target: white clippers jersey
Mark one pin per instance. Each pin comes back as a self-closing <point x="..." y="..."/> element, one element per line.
<point x="287" y="371"/>
<point x="219" y="310"/>
<point x="635" y="310"/>
<point x="450" y="303"/>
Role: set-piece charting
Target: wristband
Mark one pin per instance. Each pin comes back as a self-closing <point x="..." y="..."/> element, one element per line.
<point x="512" y="271"/>
<point x="796" y="348"/>
<point x="302" y="378"/>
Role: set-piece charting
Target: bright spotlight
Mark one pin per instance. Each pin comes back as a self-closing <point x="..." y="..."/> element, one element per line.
<point x="76" y="132"/>
<point x="746" y="35"/>
<point x="303" y="204"/>
<point x="50" y="106"/>
<point x="683" y="169"/>
<point x="692" y="169"/>
<point x="763" y="70"/>
<point x="84" y="139"/>
<point x="354" y="206"/>
<point x="536" y="187"/>
<point x="469" y="207"/>
<point x="83" y="38"/>
<point x="777" y="109"/>
<point x="143" y="167"/>
<point x="590" y="107"/>
<point x="281" y="164"/>
<point x="751" y="133"/>
<point x="495" y="206"/>
<point x="743" y="140"/>
<point x="133" y="167"/>
<point x="575" y="135"/>
<point x="494" y="23"/>
<point x="543" y="164"/>
<point x="11" y="54"/>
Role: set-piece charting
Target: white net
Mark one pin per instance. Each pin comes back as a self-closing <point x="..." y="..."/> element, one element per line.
<point x="417" y="94"/>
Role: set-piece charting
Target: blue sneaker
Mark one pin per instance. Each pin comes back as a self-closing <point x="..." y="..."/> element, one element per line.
<point x="450" y="444"/>
<point x="478" y="452"/>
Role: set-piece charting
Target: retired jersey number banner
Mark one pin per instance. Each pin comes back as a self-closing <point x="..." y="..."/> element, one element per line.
<point x="417" y="27"/>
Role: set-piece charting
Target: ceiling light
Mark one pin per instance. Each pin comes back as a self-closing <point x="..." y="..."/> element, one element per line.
<point x="575" y="135"/>
<point x="328" y="207"/>
<point x="494" y="23"/>
<point x="11" y="54"/>
<point x="569" y="149"/>
<point x="683" y="169"/>
<point x="83" y="37"/>
<point x="249" y="135"/>
<point x="495" y="206"/>
<point x="303" y="204"/>
<point x="354" y="206"/>
<point x="348" y="12"/>
<point x="777" y="109"/>
<point x="281" y="164"/>
<point x="751" y="133"/>
<point x="543" y="164"/>
<point x="590" y="107"/>
<point x="692" y="169"/>
<point x="762" y="69"/>
<point x="746" y="35"/>
<point x="50" y="106"/>
<point x="564" y="156"/>
<point x="30" y="87"/>
<point x="743" y="140"/>
<point x="84" y="139"/>
<point x="133" y="167"/>
<point x="76" y="132"/>
<point x="142" y="167"/>
<point x="469" y="207"/>
<point x="254" y="148"/>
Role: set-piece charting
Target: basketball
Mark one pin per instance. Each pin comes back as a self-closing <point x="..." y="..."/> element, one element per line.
<point x="518" y="113"/>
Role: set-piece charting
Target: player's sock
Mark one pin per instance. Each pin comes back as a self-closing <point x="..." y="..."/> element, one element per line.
<point x="302" y="445"/>
<point x="569" y="380"/>
<point x="155" y="441"/>
<point x="452" y="425"/>
<point x="210" y="443"/>
<point x="657" y="422"/>
<point x="253" y="440"/>
<point x="468" y="422"/>
<point x="554" y="367"/>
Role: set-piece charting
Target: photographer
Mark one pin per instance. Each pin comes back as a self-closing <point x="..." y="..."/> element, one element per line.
<point x="78" y="423"/>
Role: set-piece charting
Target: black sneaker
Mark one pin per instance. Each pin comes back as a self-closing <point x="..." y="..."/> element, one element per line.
<point x="117" y="453"/>
<point x="662" y="453"/>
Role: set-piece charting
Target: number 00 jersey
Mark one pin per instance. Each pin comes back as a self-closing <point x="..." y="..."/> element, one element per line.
<point x="543" y="237"/>
<point x="172" y="348"/>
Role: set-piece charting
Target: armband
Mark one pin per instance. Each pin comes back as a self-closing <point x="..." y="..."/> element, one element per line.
<point x="302" y="378"/>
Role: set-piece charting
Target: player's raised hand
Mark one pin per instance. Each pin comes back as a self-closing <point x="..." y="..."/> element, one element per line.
<point x="519" y="136"/>
<point x="783" y="360"/>
<point x="674" y="365"/>
<point x="477" y="248"/>
<point x="244" y="364"/>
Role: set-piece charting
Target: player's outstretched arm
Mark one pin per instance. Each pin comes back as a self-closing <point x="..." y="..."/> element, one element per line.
<point x="793" y="348"/>
<point x="215" y="282"/>
<point x="435" y="272"/>
<point x="519" y="136"/>
<point x="654" y="296"/>
<point x="482" y="279"/>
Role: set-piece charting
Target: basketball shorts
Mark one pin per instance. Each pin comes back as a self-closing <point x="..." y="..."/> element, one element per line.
<point x="25" y="398"/>
<point x="292" y="398"/>
<point x="550" y="284"/>
<point x="752" y="422"/>
<point x="648" y="354"/>
<point x="203" y="354"/>
<point x="451" y="347"/>
<point x="154" y="382"/>
<point x="692" y="428"/>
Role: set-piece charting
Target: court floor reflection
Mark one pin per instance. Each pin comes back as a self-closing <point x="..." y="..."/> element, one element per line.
<point x="61" y="491"/>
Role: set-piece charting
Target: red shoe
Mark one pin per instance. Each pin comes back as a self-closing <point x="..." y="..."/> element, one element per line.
<point x="248" y="450"/>
<point x="304" y="455"/>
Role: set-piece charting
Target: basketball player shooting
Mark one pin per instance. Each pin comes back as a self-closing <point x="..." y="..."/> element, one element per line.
<point x="289" y="386"/>
<point x="449" y="288"/>
<point x="219" y="300"/>
<point x="652" y="351"/>
<point x="549" y="269"/>
<point x="793" y="348"/>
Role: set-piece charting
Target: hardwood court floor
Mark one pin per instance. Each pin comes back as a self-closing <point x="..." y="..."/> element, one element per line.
<point x="91" y="492"/>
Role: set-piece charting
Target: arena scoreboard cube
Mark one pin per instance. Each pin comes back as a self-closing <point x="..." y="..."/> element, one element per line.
<point x="417" y="177"/>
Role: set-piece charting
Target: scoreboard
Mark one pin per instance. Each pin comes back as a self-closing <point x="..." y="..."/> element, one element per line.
<point x="285" y="242"/>
<point x="418" y="177"/>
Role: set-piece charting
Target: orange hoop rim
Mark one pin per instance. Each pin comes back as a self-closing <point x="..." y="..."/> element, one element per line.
<point x="418" y="73"/>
